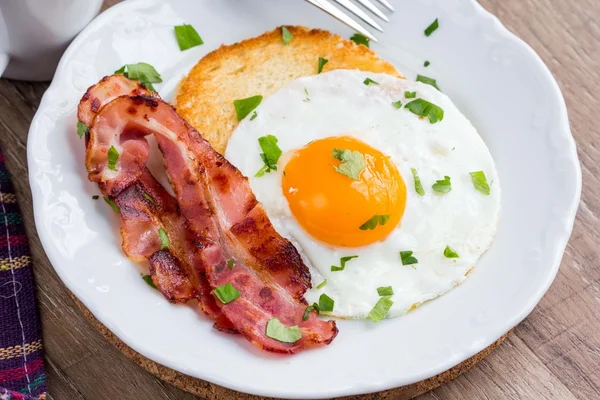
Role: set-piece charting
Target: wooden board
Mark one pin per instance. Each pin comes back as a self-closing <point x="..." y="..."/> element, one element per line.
<point x="554" y="353"/>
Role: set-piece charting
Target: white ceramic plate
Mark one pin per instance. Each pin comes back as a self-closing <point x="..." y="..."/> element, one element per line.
<point x="493" y="77"/>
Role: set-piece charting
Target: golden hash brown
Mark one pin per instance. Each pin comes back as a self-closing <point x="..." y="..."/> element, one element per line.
<point x="262" y="65"/>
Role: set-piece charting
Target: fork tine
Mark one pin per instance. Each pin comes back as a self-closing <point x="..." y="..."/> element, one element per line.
<point x="335" y="12"/>
<point x="371" y="7"/>
<point x="387" y="5"/>
<point x="359" y="13"/>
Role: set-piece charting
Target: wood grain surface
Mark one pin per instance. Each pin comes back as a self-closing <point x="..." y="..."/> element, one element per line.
<point x="554" y="353"/>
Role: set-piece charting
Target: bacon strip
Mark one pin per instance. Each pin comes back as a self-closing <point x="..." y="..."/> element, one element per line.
<point x="145" y="208"/>
<point x="221" y="211"/>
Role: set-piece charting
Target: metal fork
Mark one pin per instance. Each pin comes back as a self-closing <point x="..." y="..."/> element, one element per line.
<point x="329" y="8"/>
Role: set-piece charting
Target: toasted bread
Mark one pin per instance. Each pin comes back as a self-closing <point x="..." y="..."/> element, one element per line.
<point x="262" y="65"/>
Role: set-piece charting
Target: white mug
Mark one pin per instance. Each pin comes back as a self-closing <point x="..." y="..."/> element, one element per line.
<point x="35" y="33"/>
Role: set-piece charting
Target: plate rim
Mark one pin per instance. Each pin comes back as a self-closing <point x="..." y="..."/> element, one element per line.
<point x="563" y="130"/>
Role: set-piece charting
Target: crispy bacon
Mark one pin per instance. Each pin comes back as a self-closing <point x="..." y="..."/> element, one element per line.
<point x="221" y="211"/>
<point x="145" y="207"/>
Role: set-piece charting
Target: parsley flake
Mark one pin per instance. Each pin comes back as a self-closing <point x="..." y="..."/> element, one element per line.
<point x="370" y="81"/>
<point x="270" y="155"/>
<point x="322" y="62"/>
<point x="360" y="39"/>
<point x="381" y="308"/>
<point x="320" y="285"/>
<point x="325" y="303"/>
<point x="113" y="157"/>
<point x="343" y="262"/>
<point x="426" y="64"/>
<point x="480" y="182"/>
<point x="286" y="35"/>
<point x="352" y="163"/>
<point x="418" y="185"/>
<point x="432" y="28"/>
<point x="423" y="108"/>
<point x="450" y="253"/>
<point x="148" y="280"/>
<point x="141" y="72"/>
<point x="385" y="291"/>
<point x="187" y="37"/>
<point x="81" y="129"/>
<point x="374" y="221"/>
<point x="164" y="239"/>
<point x="428" y="81"/>
<point x="243" y="107"/>
<point x="309" y="309"/>
<point x="226" y="293"/>
<point x="410" y="95"/>
<point x="150" y="199"/>
<point x="231" y="263"/>
<point x="253" y="116"/>
<point x="95" y="197"/>
<point x="407" y="258"/>
<point x="112" y="204"/>
<point x="442" y="185"/>
<point x="397" y="104"/>
<point x="286" y="334"/>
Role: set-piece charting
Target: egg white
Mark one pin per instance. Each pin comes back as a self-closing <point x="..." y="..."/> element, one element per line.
<point x="339" y="103"/>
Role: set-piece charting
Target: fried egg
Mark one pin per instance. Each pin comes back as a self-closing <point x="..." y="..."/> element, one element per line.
<point x="372" y="194"/>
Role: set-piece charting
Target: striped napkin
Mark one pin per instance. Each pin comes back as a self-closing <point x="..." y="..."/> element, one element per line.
<point x="22" y="375"/>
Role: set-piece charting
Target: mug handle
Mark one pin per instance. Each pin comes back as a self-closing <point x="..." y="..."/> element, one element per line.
<point x="3" y="62"/>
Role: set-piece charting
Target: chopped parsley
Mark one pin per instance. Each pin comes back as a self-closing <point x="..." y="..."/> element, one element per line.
<point x="164" y="239"/>
<point x="343" y="262"/>
<point x="187" y="37"/>
<point x="325" y="303"/>
<point x="432" y="28"/>
<point x="450" y="253"/>
<point x="360" y="39"/>
<point x="253" y="116"/>
<point x="385" y="291"/>
<point x="381" y="308"/>
<point x="270" y="155"/>
<point x="480" y="182"/>
<point x="243" y="107"/>
<point x="427" y="81"/>
<point x="426" y="64"/>
<point x="407" y="258"/>
<point x="286" y="334"/>
<point x="352" y="162"/>
<point x="370" y="81"/>
<point x="226" y="293"/>
<point x="322" y="62"/>
<point x="112" y="204"/>
<point x="113" y="157"/>
<point x="423" y="108"/>
<point x="442" y="185"/>
<point x="148" y="280"/>
<point x="150" y="199"/>
<point x="374" y="221"/>
<point x="231" y="263"/>
<point x="286" y="35"/>
<point x="309" y="309"/>
<point x="81" y="129"/>
<point x="397" y="104"/>
<point x="141" y="72"/>
<point x="410" y="95"/>
<point x="95" y="197"/>
<point x="418" y="185"/>
<point x="320" y="285"/>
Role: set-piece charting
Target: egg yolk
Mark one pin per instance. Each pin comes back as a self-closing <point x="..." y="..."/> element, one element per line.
<point x="337" y="209"/>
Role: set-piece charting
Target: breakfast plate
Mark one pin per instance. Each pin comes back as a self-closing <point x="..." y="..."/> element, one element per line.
<point x="495" y="79"/>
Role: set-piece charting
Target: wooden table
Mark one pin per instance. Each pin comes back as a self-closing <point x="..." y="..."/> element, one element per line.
<point x="554" y="353"/>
